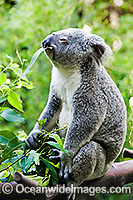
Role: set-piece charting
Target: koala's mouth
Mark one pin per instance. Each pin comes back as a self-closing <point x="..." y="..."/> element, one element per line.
<point x="50" y="52"/>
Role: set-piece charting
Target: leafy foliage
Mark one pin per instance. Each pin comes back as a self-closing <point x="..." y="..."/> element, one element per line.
<point x="10" y="82"/>
<point x="34" y="163"/>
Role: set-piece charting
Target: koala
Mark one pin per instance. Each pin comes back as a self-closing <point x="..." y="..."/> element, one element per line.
<point x="82" y="95"/>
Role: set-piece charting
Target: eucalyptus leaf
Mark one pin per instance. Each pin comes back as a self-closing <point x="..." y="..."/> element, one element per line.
<point x="54" y="144"/>
<point x="14" y="99"/>
<point x="10" y="142"/>
<point x="15" y="68"/>
<point x="28" y="85"/>
<point x="2" y="78"/>
<point x="58" y="140"/>
<point x="33" y="60"/>
<point x="12" y="116"/>
<point x="11" y="146"/>
<point x="46" y="182"/>
<point x="41" y="123"/>
<point x="2" y="99"/>
<point x="36" y="158"/>
<point x="30" y="159"/>
<point x="6" y="136"/>
<point x="64" y="150"/>
<point x="23" y="164"/>
<point x="4" y="108"/>
<point x="51" y="168"/>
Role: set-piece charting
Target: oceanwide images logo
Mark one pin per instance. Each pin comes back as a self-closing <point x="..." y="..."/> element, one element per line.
<point x="8" y="188"/>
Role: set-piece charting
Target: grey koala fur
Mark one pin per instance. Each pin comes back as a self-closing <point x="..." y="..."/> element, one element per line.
<point x="83" y="95"/>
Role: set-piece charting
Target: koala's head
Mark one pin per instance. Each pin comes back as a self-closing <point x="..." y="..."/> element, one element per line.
<point x="73" y="46"/>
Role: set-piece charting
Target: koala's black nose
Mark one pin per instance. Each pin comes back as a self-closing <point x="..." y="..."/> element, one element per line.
<point x="47" y="42"/>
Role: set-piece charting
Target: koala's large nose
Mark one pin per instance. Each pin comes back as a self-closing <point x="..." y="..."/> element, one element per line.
<point x="47" y="42"/>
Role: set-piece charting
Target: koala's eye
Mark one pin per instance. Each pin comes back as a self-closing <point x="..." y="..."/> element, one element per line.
<point x="63" y="40"/>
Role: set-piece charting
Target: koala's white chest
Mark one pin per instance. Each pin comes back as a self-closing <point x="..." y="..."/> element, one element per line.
<point x="65" y="84"/>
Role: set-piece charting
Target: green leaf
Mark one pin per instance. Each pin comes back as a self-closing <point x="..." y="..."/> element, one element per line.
<point x="46" y="182"/>
<point x="11" y="60"/>
<point x="23" y="164"/>
<point x="41" y="123"/>
<point x="4" y="174"/>
<point x="1" y="67"/>
<point x="15" y="68"/>
<point x="12" y="116"/>
<point x="30" y="159"/>
<point x="10" y="142"/>
<point x="21" y="135"/>
<point x="54" y="182"/>
<point x="14" y="99"/>
<point x="27" y="85"/>
<point x="6" y="136"/>
<point x="64" y="150"/>
<point x="58" y="139"/>
<point x="33" y="60"/>
<point x="2" y="78"/>
<point x="4" y="165"/>
<point x="51" y="168"/>
<point x="36" y="158"/>
<point x="57" y="165"/>
<point x="54" y="144"/>
<point x="11" y="146"/>
<point x="32" y="168"/>
<point x="2" y="99"/>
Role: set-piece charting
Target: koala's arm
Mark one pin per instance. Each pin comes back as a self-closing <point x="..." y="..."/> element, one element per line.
<point x="50" y="113"/>
<point x="87" y="119"/>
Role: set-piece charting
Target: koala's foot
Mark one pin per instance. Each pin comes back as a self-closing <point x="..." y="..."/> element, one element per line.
<point x="32" y="139"/>
<point x="65" y="168"/>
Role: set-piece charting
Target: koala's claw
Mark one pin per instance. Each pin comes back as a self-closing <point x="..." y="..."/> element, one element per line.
<point x="67" y="171"/>
<point x="65" y="168"/>
<point x="71" y="196"/>
<point x="61" y="170"/>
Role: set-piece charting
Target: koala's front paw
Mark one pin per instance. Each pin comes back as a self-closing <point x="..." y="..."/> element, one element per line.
<point x="32" y="139"/>
<point x="65" y="168"/>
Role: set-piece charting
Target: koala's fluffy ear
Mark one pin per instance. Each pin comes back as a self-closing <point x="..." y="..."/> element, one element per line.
<point x="98" y="49"/>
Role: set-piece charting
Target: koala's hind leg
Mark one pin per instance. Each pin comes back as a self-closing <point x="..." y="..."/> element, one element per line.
<point x="89" y="163"/>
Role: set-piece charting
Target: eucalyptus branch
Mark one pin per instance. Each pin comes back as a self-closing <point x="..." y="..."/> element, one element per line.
<point x="15" y="161"/>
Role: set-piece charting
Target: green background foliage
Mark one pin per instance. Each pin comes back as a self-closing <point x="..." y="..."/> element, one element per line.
<point x="23" y="26"/>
